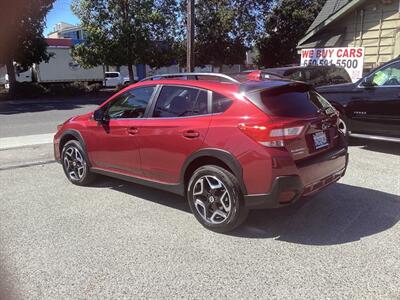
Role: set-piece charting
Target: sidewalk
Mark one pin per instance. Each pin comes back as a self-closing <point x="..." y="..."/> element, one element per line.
<point x="26" y="156"/>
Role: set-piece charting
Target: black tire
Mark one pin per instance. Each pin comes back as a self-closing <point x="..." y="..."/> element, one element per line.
<point x="204" y="209"/>
<point x="75" y="164"/>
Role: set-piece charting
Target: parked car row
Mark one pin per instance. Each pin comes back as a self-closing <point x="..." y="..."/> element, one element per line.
<point x="369" y="108"/>
<point x="230" y="145"/>
<point x="314" y="75"/>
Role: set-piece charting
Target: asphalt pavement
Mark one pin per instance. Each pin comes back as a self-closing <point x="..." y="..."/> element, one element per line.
<point x="41" y="116"/>
<point x="123" y="241"/>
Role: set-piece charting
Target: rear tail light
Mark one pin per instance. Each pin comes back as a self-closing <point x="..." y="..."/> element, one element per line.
<point x="272" y="134"/>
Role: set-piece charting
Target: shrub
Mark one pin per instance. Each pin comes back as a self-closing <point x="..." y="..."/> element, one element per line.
<point x="122" y="86"/>
<point x="30" y="90"/>
<point x="94" y="87"/>
<point x="35" y="90"/>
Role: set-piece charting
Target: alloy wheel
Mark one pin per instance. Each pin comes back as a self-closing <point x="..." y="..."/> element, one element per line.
<point x="74" y="163"/>
<point x="342" y="126"/>
<point x="212" y="199"/>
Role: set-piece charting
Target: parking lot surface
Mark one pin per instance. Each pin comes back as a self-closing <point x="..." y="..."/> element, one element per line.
<point x="121" y="240"/>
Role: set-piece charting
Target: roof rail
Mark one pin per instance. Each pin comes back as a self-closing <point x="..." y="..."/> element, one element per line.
<point x="191" y="76"/>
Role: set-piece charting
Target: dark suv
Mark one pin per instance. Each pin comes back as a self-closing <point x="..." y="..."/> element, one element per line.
<point x="370" y="107"/>
<point x="227" y="146"/>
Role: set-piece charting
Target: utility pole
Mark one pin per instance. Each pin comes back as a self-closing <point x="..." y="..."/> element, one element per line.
<point x="190" y="36"/>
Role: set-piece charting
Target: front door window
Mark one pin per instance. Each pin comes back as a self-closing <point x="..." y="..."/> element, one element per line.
<point x="131" y="104"/>
<point x="389" y="76"/>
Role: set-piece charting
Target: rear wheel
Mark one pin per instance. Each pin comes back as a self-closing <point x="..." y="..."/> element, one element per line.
<point x="75" y="164"/>
<point x="215" y="199"/>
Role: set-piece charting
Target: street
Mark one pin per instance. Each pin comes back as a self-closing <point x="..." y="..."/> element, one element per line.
<point x="121" y="240"/>
<point x="32" y="117"/>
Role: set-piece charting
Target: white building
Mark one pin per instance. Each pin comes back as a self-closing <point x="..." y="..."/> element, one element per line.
<point x="66" y="30"/>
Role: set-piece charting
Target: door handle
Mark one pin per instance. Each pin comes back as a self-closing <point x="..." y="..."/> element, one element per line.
<point x="191" y="134"/>
<point x="132" y="130"/>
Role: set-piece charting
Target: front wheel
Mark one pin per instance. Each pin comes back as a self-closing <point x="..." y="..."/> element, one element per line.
<point x="343" y="126"/>
<point x="75" y="164"/>
<point x="215" y="199"/>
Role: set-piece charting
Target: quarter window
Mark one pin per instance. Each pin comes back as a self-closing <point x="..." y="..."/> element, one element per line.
<point x="175" y="101"/>
<point x="220" y="103"/>
<point x="131" y="104"/>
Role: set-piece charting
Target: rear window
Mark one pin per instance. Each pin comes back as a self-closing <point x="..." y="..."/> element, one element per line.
<point x="112" y="75"/>
<point x="298" y="101"/>
<point x="338" y="75"/>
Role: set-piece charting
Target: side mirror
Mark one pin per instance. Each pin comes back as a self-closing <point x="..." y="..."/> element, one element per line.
<point x="367" y="82"/>
<point x="100" y="116"/>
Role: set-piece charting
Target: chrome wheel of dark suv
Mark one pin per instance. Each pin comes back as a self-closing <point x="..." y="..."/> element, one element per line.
<point x="215" y="198"/>
<point x="75" y="164"/>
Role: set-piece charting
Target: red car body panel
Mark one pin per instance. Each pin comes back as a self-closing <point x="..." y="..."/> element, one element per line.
<point x="157" y="149"/>
<point x="166" y="140"/>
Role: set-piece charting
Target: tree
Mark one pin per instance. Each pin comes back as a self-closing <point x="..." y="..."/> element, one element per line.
<point x="21" y="35"/>
<point x="284" y="27"/>
<point x="126" y="32"/>
<point x="224" y="30"/>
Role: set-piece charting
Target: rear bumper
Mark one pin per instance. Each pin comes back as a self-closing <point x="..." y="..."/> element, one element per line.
<point x="271" y="200"/>
<point x="298" y="185"/>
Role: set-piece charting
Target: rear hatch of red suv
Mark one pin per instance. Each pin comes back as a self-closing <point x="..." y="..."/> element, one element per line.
<point x="304" y="124"/>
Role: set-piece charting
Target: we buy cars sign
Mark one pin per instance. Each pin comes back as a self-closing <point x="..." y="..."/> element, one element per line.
<point x="350" y="58"/>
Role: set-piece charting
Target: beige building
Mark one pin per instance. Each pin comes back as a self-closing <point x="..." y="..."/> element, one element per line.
<point x="372" y="24"/>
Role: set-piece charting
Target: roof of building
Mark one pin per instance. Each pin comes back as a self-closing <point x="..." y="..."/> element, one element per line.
<point x="330" y="7"/>
<point x="330" y="12"/>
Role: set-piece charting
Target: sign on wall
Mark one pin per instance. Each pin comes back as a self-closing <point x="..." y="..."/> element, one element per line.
<point x="350" y="58"/>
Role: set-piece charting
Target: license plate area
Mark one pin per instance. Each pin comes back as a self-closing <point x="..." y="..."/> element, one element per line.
<point x="320" y="140"/>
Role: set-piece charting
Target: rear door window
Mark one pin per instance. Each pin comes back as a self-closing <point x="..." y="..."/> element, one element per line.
<point x="177" y="101"/>
<point x="297" y="101"/>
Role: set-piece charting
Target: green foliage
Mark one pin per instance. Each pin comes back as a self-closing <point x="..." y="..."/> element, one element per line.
<point x="21" y="34"/>
<point x="30" y="90"/>
<point x="224" y="30"/>
<point x="284" y="27"/>
<point x="36" y="90"/>
<point x="126" y="32"/>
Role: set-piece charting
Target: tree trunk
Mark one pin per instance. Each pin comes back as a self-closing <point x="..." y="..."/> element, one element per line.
<point x="11" y="78"/>
<point x="131" y="75"/>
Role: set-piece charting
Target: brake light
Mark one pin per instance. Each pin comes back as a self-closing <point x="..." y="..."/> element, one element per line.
<point x="272" y="134"/>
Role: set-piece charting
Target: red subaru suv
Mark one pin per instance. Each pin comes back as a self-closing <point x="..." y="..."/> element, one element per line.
<point x="227" y="146"/>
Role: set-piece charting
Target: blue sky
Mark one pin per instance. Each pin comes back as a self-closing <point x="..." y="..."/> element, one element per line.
<point x="61" y="12"/>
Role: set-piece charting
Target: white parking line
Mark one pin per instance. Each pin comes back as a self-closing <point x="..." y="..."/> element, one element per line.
<point x="27" y="140"/>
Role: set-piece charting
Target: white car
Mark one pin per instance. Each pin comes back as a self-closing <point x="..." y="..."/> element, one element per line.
<point x="112" y="79"/>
